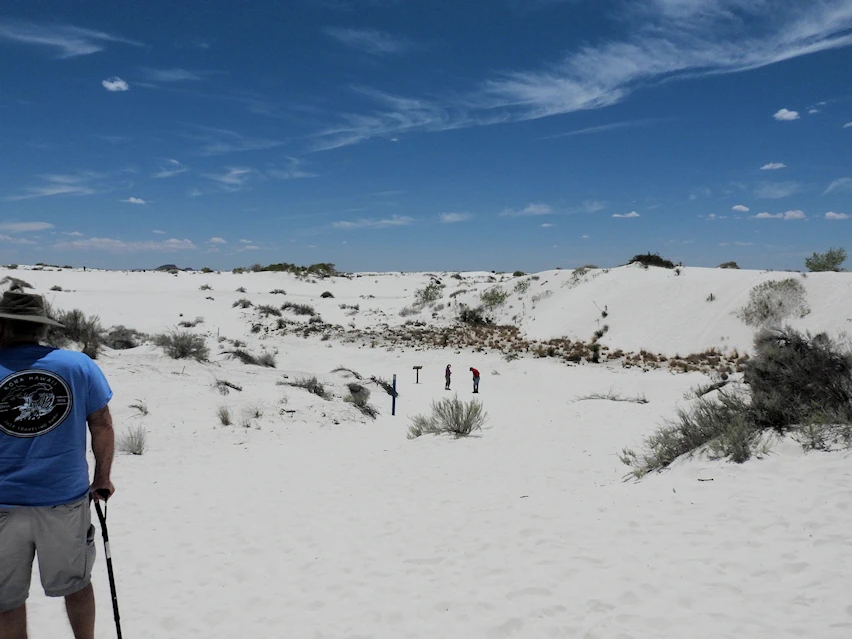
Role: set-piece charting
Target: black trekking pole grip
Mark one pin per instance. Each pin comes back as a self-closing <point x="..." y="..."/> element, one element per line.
<point x="108" y="554"/>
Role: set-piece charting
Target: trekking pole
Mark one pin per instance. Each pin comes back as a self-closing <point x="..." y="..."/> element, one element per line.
<point x="102" y="517"/>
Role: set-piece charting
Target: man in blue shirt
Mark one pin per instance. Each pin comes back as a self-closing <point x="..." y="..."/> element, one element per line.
<point x="47" y="397"/>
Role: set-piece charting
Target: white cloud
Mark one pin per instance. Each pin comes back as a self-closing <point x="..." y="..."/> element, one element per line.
<point x="59" y="184"/>
<point x="251" y="247"/>
<point x="632" y="214"/>
<point x="585" y="237"/>
<point x="293" y="172"/>
<point x="74" y="234"/>
<point x="245" y="241"/>
<point x="110" y="245"/>
<point x="454" y="218"/>
<point x="222" y="141"/>
<point x="115" y="84"/>
<point x="848" y="125"/>
<point x="529" y="210"/>
<point x="831" y="215"/>
<point x="16" y="240"/>
<point x="24" y="227"/>
<point x="744" y="243"/>
<point x="842" y="185"/>
<point x="369" y="40"/>
<point x="789" y="215"/>
<point x="158" y="232"/>
<point x="171" y="168"/>
<point x="194" y="192"/>
<point x="777" y="190"/>
<point x="217" y="240"/>
<point x="171" y="75"/>
<point x="134" y="200"/>
<point x="773" y="166"/>
<point x="394" y="220"/>
<point x="813" y="111"/>
<point x="605" y="127"/>
<point x="70" y="41"/>
<point x="547" y="226"/>
<point x="785" y="115"/>
<point x="234" y="178"/>
<point x="741" y="208"/>
<point x="593" y="206"/>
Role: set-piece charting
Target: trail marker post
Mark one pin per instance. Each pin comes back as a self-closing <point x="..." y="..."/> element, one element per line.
<point x="417" y="374"/>
<point x="393" y="400"/>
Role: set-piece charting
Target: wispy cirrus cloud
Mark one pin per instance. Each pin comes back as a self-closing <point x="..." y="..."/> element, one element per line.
<point x="454" y="218"/>
<point x="370" y="41"/>
<point x="632" y="214"/>
<point x="367" y="223"/>
<point x="24" y="227"/>
<point x="16" y="240"/>
<point x="169" y="169"/>
<point x="841" y="185"/>
<point x="773" y="166"/>
<point x="789" y="215"/>
<point x="294" y="171"/>
<point x="115" y="85"/>
<point x="172" y="75"/>
<point x="158" y="232"/>
<point x="66" y="40"/>
<point x="663" y="41"/>
<point x="59" y="184"/>
<point x="831" y="215"/>
<point x="221" y="141"/>
<point x="233" y="178"/>
<point x="111" y="245"/>
<point x="777" y="190"/>
<point x="530" y="210"/>
<point x="627" y="124"/>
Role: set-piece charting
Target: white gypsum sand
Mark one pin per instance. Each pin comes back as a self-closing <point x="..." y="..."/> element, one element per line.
<point x="315" y="521"/>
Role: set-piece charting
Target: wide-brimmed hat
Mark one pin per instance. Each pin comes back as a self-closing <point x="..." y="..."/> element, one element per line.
<point x="25" y="307"/>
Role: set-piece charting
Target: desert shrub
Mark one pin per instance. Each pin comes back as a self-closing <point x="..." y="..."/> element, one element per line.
<point x="14" y="282"/>
<point x="774" y="301"/>
<point x="432" y="292"/>
<point x="522" y="286"/>
<point x="518" y="274"/>
<point x="85" y="331"/>
<point x="11" y="267"/>
<point x="711" y="298"/>
<point x="278" y="291"/>
<point x="241" y="289"/>
<point x="614" y="396"/>
<point x="473" y="316"/>
<point x="327" y="295"/>
<point x="242" y="303"/>
<point x="133" y="441"/>
<point x="316" y="319"/>
<point x="183" y="345"/>
<point x="224" y="415"/>
<point x="494" y="297"/>
<point x="460" y="291"/>
<point x="310" y="384"/>
<point x="797" y="384"/>
<point x="191" y="323"/>
<point x="733" y="265"/>
<point x="299" y="309"/>
<point x="348" y="371"/>
<point x="206" y="269"/>
<point x="266" y="359"/>
<point x="238" y="271"/>
<point x="58" y="289"/>
<point x="542" y="296"/>
<point x="359" y="396"/>
<point x="141" y="406"/>
<point x="828" y="261"/>
<point x="266" y="310"/>
<point x="385" y="384"/>
<point x="353" y="307"/>
<point x="121" y="338"/>
<point x="451" y="416"/>
<point x="651" y="259"/>
<point x="205" y="287"/>
<point x="408" y="311"/>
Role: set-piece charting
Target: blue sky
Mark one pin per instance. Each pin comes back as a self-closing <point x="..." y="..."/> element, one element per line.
<point x="424" y="134"/>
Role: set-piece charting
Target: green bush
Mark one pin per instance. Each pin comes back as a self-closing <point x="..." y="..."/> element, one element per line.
<point x="183" y="345"/>
<point x="828" y="261"/>
<point x="493" y="297"/>
<point x="266" y="310"/>
<point x="326" y="295"/>
<point x="85" y="331"/>
<point x="242" y="303"/>
<point x="774" y="301"/>
<point x="518" y="274"/>
<point x="121" y="338"/>
<point x="432" y="292"/>
<point x="299" y="309"/>
<point x="473" y="316"/>
<point x="652" y="259"/>
<point x="729" y="265"/>
<point x="450" y="416"/>
<point x="206" y="270"/>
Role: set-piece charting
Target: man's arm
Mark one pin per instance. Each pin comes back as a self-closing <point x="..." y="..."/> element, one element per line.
<point x="103" y="446"/>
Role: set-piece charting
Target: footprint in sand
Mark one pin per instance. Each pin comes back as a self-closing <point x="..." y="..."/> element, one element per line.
<point x="529" y="592"/>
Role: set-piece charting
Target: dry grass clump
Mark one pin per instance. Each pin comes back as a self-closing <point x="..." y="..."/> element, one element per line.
<point x="134" y="441"/>
<point x="278" y="291"/>
<point x="348" y="371"/>
<point x="183" y="345"/>
<point x="191" y="323"/>
<point x="310" y="384"/>
<point x="85" y="331"/>
<point x="224" y="386"/>
<point x="121" y="338"/>
<point x="242" y="303"/>
<point x="772" y="302"/>
<point x="266" y="310"/>
<point x="224" y="415"/>
<point x="613" y="396"/>
<point x="205" y="287"/>
<point x="359" y="396"/>
<point x="299" y="309"/>
<point x="449" y="416"/>
<point x="265" y="359"/>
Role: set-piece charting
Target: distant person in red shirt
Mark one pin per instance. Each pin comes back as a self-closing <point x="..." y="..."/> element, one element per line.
<point x="447" y="375"/>
<point x="475" y="379"/>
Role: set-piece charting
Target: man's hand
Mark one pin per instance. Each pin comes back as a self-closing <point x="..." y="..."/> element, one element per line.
<point x="102" y="490"/>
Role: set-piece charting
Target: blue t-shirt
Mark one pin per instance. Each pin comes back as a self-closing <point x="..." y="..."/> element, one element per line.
<point x="45" y="396"/>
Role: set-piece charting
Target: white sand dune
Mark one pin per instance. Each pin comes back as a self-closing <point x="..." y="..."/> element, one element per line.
<point x="319" y="523"/>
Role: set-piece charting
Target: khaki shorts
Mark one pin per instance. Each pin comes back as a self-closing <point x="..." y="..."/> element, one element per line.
<point x="64" y="539"/>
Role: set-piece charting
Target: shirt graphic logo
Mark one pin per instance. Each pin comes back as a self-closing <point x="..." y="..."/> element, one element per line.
<point x="33" y="403"/>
